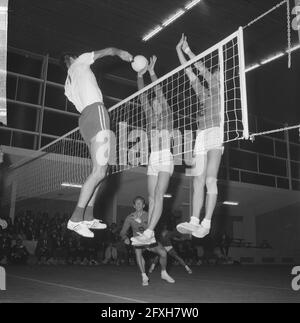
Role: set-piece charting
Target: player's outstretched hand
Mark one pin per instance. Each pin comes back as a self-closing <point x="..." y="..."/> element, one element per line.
<point x="143" y="71"/>
<point x="179" y="45"/>
<point x="152" y="63"/>
<point x="185" y="45"/>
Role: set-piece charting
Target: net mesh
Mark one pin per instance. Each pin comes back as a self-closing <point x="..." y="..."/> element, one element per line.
<point x="207" y="92"/>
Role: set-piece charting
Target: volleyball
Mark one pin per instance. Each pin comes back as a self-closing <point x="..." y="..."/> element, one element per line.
<point x="139" y="63"/>
<point x="3" y="224"/>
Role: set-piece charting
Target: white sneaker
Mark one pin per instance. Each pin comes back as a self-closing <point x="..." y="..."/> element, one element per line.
<point x="95" y="224"/>
<point x="165" y="276"/>
<point x="187" y="227"/>
<point x="201" y="232"/>
<point x="80" y="228"/>
<point x="188" y="269"/>
<point x="146" y="238"/>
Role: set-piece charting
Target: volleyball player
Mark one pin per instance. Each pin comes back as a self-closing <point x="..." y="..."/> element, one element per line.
<point x="138" y="222"/>
<point x="82" y="90"/>
<point x="165" y="238"/>
<point x="159" y="122"/>
<point x="208" y="147"/>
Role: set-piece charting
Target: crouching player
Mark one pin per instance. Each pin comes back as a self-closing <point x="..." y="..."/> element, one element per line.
<point x="138" y="222"/>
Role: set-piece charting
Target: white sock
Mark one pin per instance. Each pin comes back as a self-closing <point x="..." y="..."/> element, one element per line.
<point x="206" y="223"/>
<point x="194" y="220"/>
<point x="144" y="276"/>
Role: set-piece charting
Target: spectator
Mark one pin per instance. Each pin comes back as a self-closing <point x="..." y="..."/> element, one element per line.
<point x="5" y="247"/>
<point x="111" y="253"/>
<point x="19" y="253"/>
<point x="225" y="243"/>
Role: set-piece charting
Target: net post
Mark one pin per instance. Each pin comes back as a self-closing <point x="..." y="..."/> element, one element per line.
<point x="222" y="89"/>
<point x="243" y="82"/>
<point x="297" y="4"/>
<point x="3" y="59"/>
<point x="289" y="170"/>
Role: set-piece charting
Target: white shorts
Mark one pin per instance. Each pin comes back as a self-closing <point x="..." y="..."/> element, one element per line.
<point x="160" y="161"/>
<point x="208" y="139"/>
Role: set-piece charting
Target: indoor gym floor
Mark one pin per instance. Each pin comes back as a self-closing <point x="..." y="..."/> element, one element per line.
<point x="111" y="284"/>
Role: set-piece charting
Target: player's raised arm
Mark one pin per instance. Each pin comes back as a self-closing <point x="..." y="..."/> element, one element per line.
<point x="195" y="82"/>
<point x="157" y="89"/>
<point x="143" y="97"/>
<point x="203" y="70"/>
<point x="111" y="51"/>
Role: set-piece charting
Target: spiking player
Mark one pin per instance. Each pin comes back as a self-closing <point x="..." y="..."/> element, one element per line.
<point x="82" y="90"/>
<point x="159" y="121"/>
<point x="208" y="147"/>
<point x="138" y="222"/>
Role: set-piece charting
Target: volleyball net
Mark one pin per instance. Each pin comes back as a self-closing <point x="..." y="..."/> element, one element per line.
<point x="218" y="101"/>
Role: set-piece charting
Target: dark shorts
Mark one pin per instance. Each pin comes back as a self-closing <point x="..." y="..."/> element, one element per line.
<point x="147" y="247"/>
<point x="93" y="119"/>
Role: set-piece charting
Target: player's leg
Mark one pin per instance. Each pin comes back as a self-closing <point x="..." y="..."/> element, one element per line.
<point x="152" y="182"/>
<point x="88" y="191"/>
<point x="213" y="163"/>
<point x="162" y="253"/>
<point x="199" y="178"/>
<point x="141" y="264"/>
<point x="159" y="192"/>
<point x="153" y="264"/>
<point x="175" y="255"/>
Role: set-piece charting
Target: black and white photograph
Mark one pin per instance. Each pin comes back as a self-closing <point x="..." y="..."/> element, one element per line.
<point x="149" y="155"/>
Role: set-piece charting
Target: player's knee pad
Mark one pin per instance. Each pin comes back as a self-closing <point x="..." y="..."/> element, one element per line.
<point x="211" y="185"/>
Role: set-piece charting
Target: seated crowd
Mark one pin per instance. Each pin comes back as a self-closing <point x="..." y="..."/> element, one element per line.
<point x="38" y="238"/>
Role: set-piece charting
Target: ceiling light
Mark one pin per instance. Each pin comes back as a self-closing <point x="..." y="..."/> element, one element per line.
<point x="231" y="203"/>
<point x="192" y="4"/>
<point x="253" y="67"/>
<point x="152" y="33"/>
<point x="271" y="59"/>
<point x="173" y="18"/>
<point x="71" y="185"/>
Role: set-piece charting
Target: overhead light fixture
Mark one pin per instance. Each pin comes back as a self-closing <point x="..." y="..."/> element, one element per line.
<point x="231" y="203"/>
<point x="168" y="196"/>
<point x="273" y="58"/>
<point x="253" y="67"/>
<point x="192" y="4"/>
<point x="71" y="185"/>
<point x="171" y="19"/>
<point x="293" y="48"/>
<point x="152" y="33"/>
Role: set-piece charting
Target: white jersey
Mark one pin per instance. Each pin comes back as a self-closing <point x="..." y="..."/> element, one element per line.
<point x="81" y="86"/>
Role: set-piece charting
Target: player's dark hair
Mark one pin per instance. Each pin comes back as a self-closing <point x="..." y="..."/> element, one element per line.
<point x="139" y="198"/>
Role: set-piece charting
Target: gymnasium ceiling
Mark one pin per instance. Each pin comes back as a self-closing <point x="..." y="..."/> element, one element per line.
<point x="53" y="26"/>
